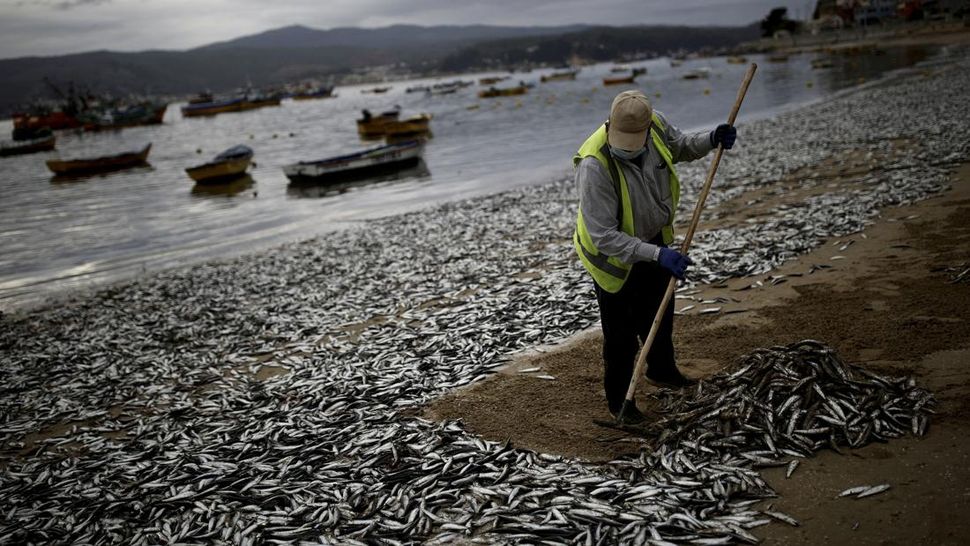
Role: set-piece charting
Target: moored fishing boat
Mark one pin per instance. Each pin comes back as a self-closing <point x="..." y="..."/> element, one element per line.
<point x="22" y="147"/>
<point x="559" y="76"/>
<point x="371" y="126"/>
<point x="377" y="90"/>
<point x="616" y="81"/>
<point x="211" y="107"/>
<point x="102" y="164"/>
<point x="492" y="80"/>
<point x="228" y="165"/>
<point x="737" y="59"/>
<point x="29" y="125"/>
<point x="698" y="74"/>
<point x="321" y="92"/>
<point x="252" y="99"/>
<point x="362" y="164"/>
<point x="412" y="126"/>
<point x="145" y="113"/>
<point x="503" y="92"/>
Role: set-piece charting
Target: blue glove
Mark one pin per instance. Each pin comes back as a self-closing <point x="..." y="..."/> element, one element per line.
<point x="725" y="135"/>
<point x="673" y="261"/>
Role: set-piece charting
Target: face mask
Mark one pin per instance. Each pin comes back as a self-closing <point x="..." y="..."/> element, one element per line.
<point x="626" y="154"/>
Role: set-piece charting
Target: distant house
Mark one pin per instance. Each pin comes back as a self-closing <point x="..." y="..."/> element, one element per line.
<point x="835" y="13"/>
<point x="875" y="11"/>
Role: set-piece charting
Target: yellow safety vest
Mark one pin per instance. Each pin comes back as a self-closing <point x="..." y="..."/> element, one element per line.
<point x="609" y="272"/>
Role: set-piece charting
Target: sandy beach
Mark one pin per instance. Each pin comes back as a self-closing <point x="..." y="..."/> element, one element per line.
<point x="370" y="386"/>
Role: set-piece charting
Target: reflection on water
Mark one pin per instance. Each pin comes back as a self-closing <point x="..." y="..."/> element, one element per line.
<point x="298" y="190"/>
<point x="224" y="189"/>
<point x="143" y="168"/>
<point x="110" y="226"/>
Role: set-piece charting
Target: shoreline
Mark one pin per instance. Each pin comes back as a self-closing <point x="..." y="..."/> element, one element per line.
<point x="20" y="305"/>
<point x="281" y="367"/>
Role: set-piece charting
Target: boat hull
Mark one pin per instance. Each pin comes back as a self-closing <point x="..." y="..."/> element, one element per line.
<point x="417" y="125"/>
<point x="511" y="92"/>
<point x="154" y="117"/>
<point x="29" y="146"/>
<point x="558" y="77"/>
<point x="219" y="172"/>
<point x="100" y="164"/>
<point x="211" y="109"/>
<point x="618" y="81"/>
<point x="356" y="166"/>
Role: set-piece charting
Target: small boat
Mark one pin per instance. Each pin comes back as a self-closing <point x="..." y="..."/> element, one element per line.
<point x="363" y="164"/>
<point x="619" y="69"/>
<point x="146" y="113"/>
<point x="503" y="92"/>
<point x="370" y="126"/>
<point x="778" y="58"/>
<point x="617" y="81"/>
<point x="674" y="63"/>
<point x="492" y="80"/>
<point x="737" y="59"/>
<point x="322" y="92"/>
<point x="559" y="76"/>
<point x="229" y="165"/>
<point x="198" y="107"/>
<point x="109" y="163"/>
<point x="376" y="90"/>
<point x="252" y="99"/>
<point x="22" y="147"/>
<point x="698" y="74"/>
<point x="418" y="89"/>
<point x="412" y="126"/>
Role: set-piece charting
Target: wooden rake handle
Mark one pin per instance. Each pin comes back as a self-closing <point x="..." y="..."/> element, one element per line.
<point x="695" y="219"/>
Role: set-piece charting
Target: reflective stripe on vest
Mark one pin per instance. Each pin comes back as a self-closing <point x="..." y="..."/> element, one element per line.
<point x="609" y="272"/>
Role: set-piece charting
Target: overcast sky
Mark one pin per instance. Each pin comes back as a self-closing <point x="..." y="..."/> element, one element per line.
<point x="53" y="27"/>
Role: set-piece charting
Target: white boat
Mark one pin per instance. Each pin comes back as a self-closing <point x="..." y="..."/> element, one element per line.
<point x="366" y="163"/>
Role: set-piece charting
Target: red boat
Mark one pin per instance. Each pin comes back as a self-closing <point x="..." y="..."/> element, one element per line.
<point x="26" y="126"/>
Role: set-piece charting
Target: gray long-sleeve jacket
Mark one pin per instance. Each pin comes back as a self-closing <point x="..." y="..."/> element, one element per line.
<point x="648" y="180"/>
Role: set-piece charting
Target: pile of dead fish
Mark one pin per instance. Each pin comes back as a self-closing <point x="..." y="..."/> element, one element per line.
<point x="785" y="402"/>
<point x="156" y="425"/>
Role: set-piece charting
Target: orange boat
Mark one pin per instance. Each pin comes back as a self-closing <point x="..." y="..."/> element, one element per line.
<point x="73" y="167"/>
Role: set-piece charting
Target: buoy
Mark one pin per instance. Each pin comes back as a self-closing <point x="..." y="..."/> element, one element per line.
<point x="809" y="84"/>
<point x="198" y="150"/>
<point x="707" y="91"/>
<point x="657" y="94"/>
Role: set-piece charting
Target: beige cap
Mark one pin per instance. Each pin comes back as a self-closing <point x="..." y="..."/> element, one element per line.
<point x="629" y="120"/>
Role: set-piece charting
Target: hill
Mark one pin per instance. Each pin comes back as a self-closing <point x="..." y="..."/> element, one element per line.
<point x="297" y="52"/>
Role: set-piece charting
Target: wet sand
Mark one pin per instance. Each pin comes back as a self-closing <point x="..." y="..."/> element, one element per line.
<point x="885" y="303"/>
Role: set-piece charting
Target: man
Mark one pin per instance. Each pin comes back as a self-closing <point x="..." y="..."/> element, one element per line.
<point x="628" y="195"/>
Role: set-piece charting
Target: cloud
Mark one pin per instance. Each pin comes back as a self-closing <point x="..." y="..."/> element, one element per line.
<point x="60" y="4"/>
<point x="71" y="4"/>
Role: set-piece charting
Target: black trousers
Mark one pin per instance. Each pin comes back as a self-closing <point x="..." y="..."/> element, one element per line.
<point x="626" y="317"/>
